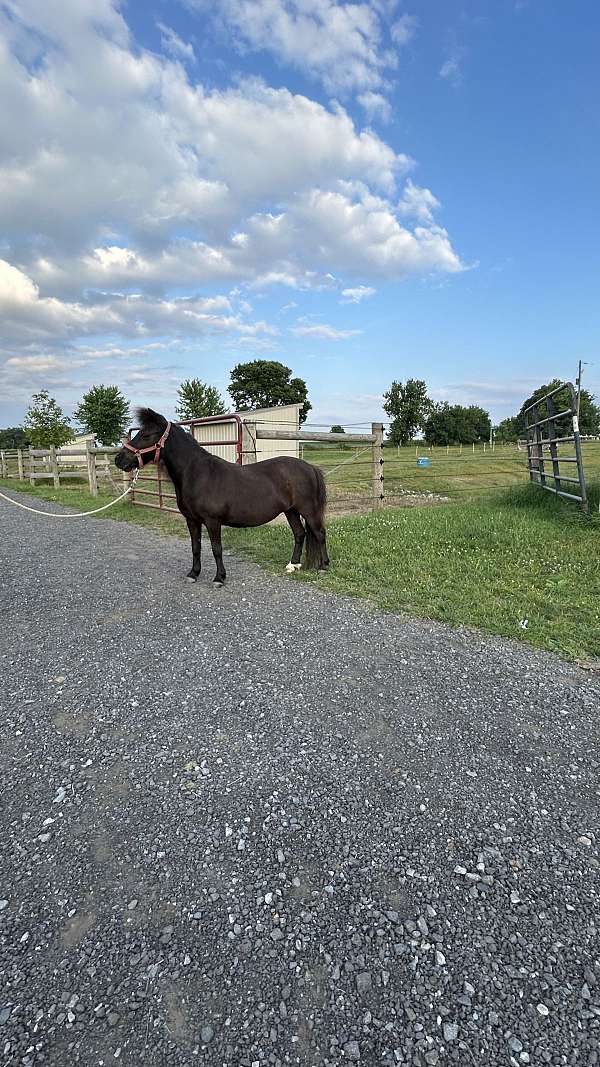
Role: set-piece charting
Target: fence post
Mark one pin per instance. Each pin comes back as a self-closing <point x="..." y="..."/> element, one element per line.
<point x="31" y="467"/>
<point x="579" y="458"/>
<point x="159" y="480"/>
<point x="3" y="468"/>
<point x="54" y="466"/>
<point x="553" y="446"/>
<point x="91" y="467"/>
<point x="538" y="445"/>
<point x="378" y="495"/>
<point x="20" y="471"/>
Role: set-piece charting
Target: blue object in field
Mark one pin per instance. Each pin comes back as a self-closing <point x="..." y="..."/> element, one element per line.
<point x="423" y="461"/>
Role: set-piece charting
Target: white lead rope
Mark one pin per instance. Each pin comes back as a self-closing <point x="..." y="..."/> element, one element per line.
<point x="72" y="515"/>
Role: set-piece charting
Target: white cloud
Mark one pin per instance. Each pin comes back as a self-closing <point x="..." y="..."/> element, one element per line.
<point x="404" y="29"/>
<point x="328" y="333"/>
<point x="28" y="317"/>
<point x="355" y="296"/>
<point x="375" y="106"/>
<point x="417" y="202"/>
<point x="43" y="364"/>
<point x="452" y="69"/>
<point x="110" y="153"/>
<point x="173" y="45"/>
<point x="343" y="45"/>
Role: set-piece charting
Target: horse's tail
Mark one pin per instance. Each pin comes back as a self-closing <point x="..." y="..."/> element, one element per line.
<point x="313" y="545"/>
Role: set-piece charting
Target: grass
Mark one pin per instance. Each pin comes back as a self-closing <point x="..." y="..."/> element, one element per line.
<point x="520" y="556"/>
<point x="492" y="564"/>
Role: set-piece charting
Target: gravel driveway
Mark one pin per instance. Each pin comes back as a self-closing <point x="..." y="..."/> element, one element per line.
<point x="267" y="825"/>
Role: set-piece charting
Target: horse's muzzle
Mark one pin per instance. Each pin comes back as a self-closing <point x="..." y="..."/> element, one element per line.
<point x="126" y="461"/>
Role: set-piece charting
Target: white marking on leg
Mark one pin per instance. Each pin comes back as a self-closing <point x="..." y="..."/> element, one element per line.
<point x="291" y="567"/>
<point x="297" y="566"/>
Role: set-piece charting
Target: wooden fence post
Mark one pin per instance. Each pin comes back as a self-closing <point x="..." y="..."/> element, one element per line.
<point x="378" y="496"/>
<point x="21" y="473"/>
<point x="31" y="467"/>
<point x="159" y="480"/>
<point x="90" y="449"/>
<point x="54" y="466"/>
<point x="3" y="467"/>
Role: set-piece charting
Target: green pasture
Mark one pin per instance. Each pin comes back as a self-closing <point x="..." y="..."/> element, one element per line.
<point x="521" y="564"/>
<point x="459" y="473"/>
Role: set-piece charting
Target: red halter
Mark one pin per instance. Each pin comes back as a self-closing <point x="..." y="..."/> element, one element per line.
<point x="151" y="448"/>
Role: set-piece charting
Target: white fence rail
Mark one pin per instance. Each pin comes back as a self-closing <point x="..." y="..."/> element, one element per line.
<point x="91" y="465"/>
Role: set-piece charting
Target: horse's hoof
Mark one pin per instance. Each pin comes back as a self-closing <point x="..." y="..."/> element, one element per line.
<point x="218" y="585"/>
<point x="291" y="567"/>
<point x="190" y="578"/>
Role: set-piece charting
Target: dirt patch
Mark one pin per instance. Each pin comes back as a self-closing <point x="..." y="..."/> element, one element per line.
<point x="77" y="927"/>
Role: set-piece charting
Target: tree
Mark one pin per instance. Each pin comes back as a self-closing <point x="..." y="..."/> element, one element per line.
<point x="103" y="411"/>
<point x="507" y="431"/>
<point x="45" y="423"/>
<point x="408" y="407"/>
<point x="453" y="424"/>
<point x="339" y="429"/>
<point x="478" y="424"/>
<point x="198" y="400"/>
<point x="265" y="383"/>
<point x="589" y="412"/>
<point x="14" y="437"/>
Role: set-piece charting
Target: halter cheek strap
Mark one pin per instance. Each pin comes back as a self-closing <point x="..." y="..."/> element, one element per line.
<point x="157" y="448"/>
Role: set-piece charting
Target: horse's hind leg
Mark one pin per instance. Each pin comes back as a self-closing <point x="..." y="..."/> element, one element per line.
<point x="316" y="542"/>
<point x="214" y="532"/>
<point x="297" y="526"/>
<point x="195" y="529"/>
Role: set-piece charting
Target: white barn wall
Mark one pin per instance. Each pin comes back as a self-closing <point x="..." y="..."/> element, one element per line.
<point x="217" y="431"/>
<point x="280" y="418"/>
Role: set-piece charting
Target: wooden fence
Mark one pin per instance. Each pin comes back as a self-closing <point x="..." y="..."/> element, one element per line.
<point x="94" y="463"/>
<point x="91" y="465"/>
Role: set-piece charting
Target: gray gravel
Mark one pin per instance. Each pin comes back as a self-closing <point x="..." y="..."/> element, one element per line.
<point x="266" y="825"/>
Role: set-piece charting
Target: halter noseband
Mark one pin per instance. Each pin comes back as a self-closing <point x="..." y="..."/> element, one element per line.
<point x="139" y="452"/>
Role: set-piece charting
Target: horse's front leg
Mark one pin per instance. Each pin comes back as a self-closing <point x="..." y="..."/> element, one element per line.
<point x="214" y="532"/>
<point x="195" y="529"/>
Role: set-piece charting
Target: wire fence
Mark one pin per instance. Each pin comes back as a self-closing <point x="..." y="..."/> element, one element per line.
<point x="452" y="472"/>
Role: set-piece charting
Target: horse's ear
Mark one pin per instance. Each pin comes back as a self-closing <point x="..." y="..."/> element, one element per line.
<point x="147" y="417"/>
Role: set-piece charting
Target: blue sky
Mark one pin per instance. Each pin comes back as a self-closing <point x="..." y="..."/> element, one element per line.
<point x="363" y="191"/>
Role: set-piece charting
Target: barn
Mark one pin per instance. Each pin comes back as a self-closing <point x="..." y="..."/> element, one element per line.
<point x="233" y="436"/>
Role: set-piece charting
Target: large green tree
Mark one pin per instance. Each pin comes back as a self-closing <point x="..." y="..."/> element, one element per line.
<point x="45" y="423"/>
<point x="265" y="383"/>
<point x="408" y="406"/>
<point x="589" y="412"/>
<point x="103" y="411"/>
<point x="14" y="437"/>
<point x="197" y="400"/>
<point x="507" y="431"/>
<point x="453" y="424"/>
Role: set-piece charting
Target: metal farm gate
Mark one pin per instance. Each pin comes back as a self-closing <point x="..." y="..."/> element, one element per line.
<point x="544" y="445"/>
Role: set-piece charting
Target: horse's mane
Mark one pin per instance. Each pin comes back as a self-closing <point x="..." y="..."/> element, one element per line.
<point x="147" y="417"/>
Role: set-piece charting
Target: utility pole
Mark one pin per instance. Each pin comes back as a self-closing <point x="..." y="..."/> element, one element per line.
<point x="578" y="383"/>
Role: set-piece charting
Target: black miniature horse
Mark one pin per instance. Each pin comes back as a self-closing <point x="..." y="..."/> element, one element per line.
<point x="214" y="493"/>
